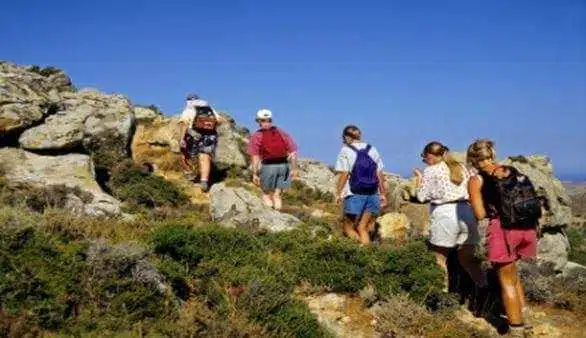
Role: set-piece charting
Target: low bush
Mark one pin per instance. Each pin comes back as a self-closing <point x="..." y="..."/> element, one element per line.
<point x="577" y="238"/>
<point x="267" y="268"/>
<point x="131" y="183"/>
<point x="48" y="285"/>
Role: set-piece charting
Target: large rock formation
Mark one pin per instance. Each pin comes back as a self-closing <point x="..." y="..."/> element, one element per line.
<point x="540" y="171"/>
<point x="317" y="175"/>
<point x="27" y="95"/>
<point x="238" y="207"/>
<point x="71" y="170"/>
<point x="157" y="142"/>
<point x="88" y="119"/>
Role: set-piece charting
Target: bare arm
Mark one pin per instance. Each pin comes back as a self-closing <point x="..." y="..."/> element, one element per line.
<point x="182" y="130"/>
<point x="342" y="179"/>
<point x="293" y="161"/>
<point x="474" y="190"/>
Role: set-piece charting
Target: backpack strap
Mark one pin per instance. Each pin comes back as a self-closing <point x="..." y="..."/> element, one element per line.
<point x="366" y="149"/>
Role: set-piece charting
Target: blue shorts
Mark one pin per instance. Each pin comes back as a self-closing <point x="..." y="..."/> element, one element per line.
<point x="274" y="176"/>
<point x="356" y="205"/>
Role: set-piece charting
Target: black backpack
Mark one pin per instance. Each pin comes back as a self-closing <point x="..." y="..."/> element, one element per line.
<point x="519" y="205"/>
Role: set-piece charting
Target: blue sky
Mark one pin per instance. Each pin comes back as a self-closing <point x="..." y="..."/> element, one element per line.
<point x="407" y="72"/>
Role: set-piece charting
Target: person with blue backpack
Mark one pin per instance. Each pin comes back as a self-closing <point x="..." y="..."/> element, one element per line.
<point x="361" y="184"/>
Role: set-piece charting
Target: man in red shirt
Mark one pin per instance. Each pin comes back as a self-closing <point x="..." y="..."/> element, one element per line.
<point x="274" y="155"/>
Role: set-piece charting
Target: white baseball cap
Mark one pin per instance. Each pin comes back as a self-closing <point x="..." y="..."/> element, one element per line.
<point x="264" y="114"/>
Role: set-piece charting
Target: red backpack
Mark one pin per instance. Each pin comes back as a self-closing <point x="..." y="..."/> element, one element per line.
<point x="273" y="145"/>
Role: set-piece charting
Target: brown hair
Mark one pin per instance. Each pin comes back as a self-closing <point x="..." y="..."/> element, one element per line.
<point x="352" y="132"/>
<point x="438" y="149"/>
<point x="479" y="151"/>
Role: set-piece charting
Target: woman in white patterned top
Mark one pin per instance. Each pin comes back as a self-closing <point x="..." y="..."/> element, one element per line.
<point x="444" y="184"/>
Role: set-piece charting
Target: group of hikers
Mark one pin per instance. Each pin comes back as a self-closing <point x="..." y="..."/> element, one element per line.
<point x="460" y="196"/>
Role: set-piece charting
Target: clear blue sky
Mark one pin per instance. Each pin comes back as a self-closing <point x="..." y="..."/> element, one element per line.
<point x="407" y="72"/>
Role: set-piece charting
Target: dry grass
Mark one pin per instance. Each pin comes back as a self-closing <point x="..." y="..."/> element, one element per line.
<point x="400" y="316"/>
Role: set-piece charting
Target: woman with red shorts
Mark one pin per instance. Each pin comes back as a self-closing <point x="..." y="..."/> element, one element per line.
<point x="504" y="246"/>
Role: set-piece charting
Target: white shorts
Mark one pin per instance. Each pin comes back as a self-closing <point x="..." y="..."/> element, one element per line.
<point x="453" y="224"/>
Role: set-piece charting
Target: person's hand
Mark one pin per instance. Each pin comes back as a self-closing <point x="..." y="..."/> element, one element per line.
<point x="338" y="199"/>
<point x="294" y="174"/>
<point x="182" y="143"/>
<point x="417" y="173"/>
<point x="256" y="180"/>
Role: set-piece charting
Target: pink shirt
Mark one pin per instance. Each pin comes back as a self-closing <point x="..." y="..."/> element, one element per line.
<point x="256" y="141"/>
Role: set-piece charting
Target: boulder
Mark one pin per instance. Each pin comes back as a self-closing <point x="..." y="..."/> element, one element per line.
<point x="27" y="95"/>
<point x="553" y="250"/>
<point x="72" y="171"/>
<point x="231" y="151"/>
<point x="539" y="170"/>
<point x="317" y="175"/>
<point x="394" y="226"/>
<point x="238" y="207"/>
<point x="146" y="113"/>
<point x="97" y="122"/>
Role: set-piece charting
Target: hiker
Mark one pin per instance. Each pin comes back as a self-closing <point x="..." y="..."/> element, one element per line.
<point x="198" y="136"/>
<point x="509" y="201"/>
<point x="361" y="185"/>
<point x="274" y="159"/>
<point x="444" y="184"/>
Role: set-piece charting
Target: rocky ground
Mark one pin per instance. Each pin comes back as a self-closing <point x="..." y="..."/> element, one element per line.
<point x="96" y="171"/>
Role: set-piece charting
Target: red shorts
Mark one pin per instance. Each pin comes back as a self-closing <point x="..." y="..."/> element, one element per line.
<point x="506" y="246"/>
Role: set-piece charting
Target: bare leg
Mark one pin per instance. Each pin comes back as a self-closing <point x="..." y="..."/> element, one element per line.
<point x="441" y="258"/>
<point x="277" y="202"/>
<point x="205" y="163"/>
<point x="348" y="228"/>
<point x="363" y="226"/>
<point x="267" y="198"/>
<point x="471" y="264"/>
<point x="512" y="300"/>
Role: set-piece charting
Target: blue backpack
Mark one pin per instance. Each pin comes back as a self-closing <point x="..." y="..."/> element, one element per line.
<point x="364" y="175"/>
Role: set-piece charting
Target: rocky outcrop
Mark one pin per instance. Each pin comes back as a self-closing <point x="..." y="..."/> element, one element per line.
<point x="147" y="113"/>
<point x="72" y="171"/>
<point x="539" y="169"/>
<point x="394" y="226"/>
<point x="231" y="150"/>
<point x="27" y="95"/>
<point x="317" y="175"/>
<point x="238" y="207"/>
<point x="88" y="119"/>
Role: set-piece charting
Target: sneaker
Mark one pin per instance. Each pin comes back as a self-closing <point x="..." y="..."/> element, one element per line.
<point x="205" y="186"/>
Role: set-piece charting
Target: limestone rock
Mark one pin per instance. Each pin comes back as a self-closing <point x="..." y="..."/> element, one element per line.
<point x="235" y="207"/>
<point x="395" y="226"/>
<point x="88" y="119"/>
<point x="317" y="175"/>
<point x="27" y="95"/>
<point x="72" y="170"/>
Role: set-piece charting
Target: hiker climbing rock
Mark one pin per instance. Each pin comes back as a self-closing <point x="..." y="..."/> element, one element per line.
<point x="361" y="185"/>
<point x="274" y="159"/>
<point x="199" y="137"/>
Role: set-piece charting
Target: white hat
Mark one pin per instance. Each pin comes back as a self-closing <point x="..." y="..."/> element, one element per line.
<point x="264" y="114"/>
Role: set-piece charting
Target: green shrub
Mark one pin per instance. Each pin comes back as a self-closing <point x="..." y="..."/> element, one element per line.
<point x="577" y="238"/>
<point x="47" y="71"/>
<point x="268" y="267"/>
<point x="49" y="285"/>
<point x="131" y="183"/>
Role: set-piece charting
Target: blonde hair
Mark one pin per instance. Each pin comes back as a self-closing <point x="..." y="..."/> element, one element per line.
<point x="479" y="151"/>
<point x="456" y="170"/>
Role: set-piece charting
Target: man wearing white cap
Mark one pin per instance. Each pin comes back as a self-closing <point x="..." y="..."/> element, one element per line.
<point x="274" y="155"/>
